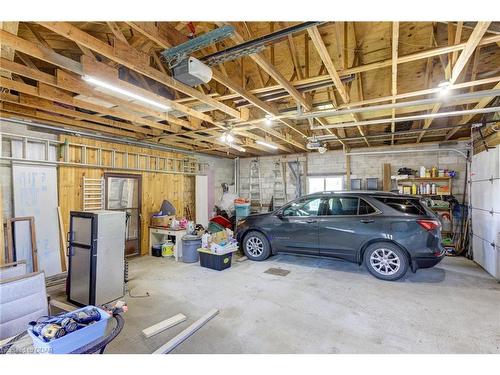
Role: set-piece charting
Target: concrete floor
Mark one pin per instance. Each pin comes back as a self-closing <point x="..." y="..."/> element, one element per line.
<point x="321" y="306"/>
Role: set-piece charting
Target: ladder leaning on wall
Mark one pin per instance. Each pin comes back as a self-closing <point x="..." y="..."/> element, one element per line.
<point x="279" y="188"/>
<point x="255" y="186"/>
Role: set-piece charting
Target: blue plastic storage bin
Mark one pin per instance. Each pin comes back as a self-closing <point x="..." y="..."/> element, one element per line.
<point x="73" y="340"/>
<point x="242" y="210"/>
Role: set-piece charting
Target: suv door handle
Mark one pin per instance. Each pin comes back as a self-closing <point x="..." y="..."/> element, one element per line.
<point x="366" y="221"/>
<point x="311" y="221"/>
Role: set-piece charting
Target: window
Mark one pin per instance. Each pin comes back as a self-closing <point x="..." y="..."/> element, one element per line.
<point x="365" y="208"/>
<point x="347" y="206"/>
<point x="342" y="206"/>
<point x="319" y="184"/>
<point x="303" y="207"/>
<point x="405" y="205"/>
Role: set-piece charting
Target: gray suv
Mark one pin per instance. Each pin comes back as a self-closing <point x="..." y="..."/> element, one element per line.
<point x="387" y="232"/>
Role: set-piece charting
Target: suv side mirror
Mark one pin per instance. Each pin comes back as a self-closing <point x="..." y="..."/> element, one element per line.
<point x="279" y="215"/>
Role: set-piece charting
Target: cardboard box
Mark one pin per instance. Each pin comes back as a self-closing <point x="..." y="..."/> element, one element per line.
<point x="161" y="221"/>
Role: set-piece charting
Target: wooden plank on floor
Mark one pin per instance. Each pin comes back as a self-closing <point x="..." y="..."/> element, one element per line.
<point x="184" y="335"/>
<point x="163" y="325"/>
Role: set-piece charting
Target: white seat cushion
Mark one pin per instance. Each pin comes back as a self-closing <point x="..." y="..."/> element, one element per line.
<point x="22" y="300"/>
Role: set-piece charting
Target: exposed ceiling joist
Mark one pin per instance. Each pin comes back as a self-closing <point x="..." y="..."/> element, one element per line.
<point x="232" y="85"/>
<point x="469" y="48"/>
<point x="272" y="71"/>
<point x="135" y="60"/>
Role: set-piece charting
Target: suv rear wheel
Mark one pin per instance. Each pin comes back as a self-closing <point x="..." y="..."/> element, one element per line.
<point x="256" y="246"/>
<point x="386" y="261"/>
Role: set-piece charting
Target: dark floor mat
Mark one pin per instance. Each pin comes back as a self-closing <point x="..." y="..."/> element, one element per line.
<point x="277" y="271"/>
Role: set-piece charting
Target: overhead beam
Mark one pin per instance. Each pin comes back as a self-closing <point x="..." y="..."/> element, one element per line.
<point x="320" y="46"/>
<point x="72" y="83"/>
<point x="232" y="85"/>
<point x="110" y="74"/>
<point x="326" y="59"/>
<point x="481" y="104"/>
<point x="48" y="92"/>
<point x="472" y="43"/>
<point x="272" y="71"/>
<point x="429" y="53"/>
<point x="36" y="102"/>
<point x="135" y="60"/>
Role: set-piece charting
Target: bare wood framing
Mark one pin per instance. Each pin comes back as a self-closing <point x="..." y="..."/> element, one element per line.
<point x="133" y="59"/>
<point x="472" y="43"/>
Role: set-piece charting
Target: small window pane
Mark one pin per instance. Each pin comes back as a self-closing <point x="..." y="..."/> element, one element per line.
<point x="319" y="184"/>
<point x="316" y="184"/>
<point x="365" y="208"/>
<point x="342" y="206"/>
<point x="333" y="183"/>
<point x="303" y="207"/>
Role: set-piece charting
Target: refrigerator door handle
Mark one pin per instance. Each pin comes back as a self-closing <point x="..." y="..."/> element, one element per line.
<point x="69" y="246"/>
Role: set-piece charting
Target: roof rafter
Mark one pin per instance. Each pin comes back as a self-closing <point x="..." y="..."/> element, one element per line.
<point x="471" y="44"/>
<point x="272" y="71"/>
<point x="135" y="60"/>
<point x="226" y="81"/>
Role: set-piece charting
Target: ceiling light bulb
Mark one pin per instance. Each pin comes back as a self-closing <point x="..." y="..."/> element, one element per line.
<point x="444" y="88"/>
<point x="119" y="90"/>
<point x="229" y="138"/>
<point x="269" y="120"/>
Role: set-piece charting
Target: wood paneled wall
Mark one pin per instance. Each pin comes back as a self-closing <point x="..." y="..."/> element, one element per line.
<point x="177" y="188"/>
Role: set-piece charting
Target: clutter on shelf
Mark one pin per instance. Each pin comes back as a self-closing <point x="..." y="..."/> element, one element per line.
<point x="424" y="181"/>
<point x="166" y="218"/>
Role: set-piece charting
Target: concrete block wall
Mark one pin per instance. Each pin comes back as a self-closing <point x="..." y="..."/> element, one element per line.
<point x="365" y="166"/>
<point x="220" y="170"/>
<point x="362" y="166"/>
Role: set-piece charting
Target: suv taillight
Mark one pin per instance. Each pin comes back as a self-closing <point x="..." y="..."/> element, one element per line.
<point x="429" y="225"/>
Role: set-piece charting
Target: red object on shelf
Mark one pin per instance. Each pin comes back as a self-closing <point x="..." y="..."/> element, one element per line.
<point x="221" y="221"/>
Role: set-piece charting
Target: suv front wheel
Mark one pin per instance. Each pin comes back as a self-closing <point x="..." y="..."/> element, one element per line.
<point x="386" y="261"/>
<point x="256" y="246"/>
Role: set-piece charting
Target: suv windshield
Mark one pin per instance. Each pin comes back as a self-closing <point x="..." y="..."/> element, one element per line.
<point x="411" y="206"/>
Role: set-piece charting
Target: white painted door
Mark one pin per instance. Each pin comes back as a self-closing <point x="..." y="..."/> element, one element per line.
<point x="202" y="209"/>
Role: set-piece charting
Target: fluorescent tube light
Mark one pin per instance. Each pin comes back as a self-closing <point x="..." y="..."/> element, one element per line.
<point x="118" y="90"/>
<point x="265" y="144"/>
